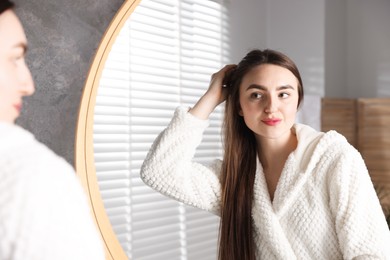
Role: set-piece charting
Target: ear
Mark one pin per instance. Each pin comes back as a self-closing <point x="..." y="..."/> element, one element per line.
<point x="240" y="111"/>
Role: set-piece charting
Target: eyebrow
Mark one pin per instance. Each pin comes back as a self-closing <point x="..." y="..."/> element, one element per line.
<point x="255" y="86"/>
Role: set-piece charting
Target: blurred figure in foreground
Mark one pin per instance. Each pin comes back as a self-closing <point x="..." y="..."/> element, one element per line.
<point x="44" y="212"/>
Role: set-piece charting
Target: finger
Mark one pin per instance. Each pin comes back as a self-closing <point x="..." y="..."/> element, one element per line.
<point x="227" y="74"/>
<point x="224" y="70"/>
<point x="228" y="67"/>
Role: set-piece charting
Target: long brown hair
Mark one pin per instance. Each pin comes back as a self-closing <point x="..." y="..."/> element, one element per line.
<point x="236" y="239"/>
<point x="5" y="5"/>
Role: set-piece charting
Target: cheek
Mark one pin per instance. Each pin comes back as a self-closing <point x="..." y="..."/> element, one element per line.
<point x="8" y="88"/>
<point x="7" y="77"/>
<point x="5" y="98"/>
<point x="291" y="110"/>
<point x="6" y="95"/>
<point x="245" y="108"/>
<point x="4" y="86"/>
<point x="240" y="107"/>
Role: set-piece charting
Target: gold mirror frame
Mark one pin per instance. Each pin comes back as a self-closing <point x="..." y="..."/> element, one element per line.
<point x="84" y="154"/>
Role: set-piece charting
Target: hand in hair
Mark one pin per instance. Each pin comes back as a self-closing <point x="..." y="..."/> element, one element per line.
<point x="215" y="94"/>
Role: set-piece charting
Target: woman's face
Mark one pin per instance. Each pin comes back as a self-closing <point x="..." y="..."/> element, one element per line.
<point x="15" y="78"/>
<point x="269" y="101"/>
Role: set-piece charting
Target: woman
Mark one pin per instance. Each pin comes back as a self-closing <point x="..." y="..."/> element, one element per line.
<point x="283" y="190"/>
<point x="44" y="213"/>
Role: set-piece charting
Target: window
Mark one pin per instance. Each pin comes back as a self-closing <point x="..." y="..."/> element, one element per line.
<point x="163" y="58"/>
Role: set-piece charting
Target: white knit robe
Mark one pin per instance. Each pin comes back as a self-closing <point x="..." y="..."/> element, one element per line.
<point x="44" y="213"/>
<point x="324" y="207"/>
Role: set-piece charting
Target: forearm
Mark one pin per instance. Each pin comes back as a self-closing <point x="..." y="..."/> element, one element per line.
<point x="204" y="107"/>
<point x="169" y="168"/>
<point x="214" y="96"/>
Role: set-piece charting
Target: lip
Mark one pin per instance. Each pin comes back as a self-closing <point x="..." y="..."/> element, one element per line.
<point x="271" y="122"/>
<point x="18" y="107"/>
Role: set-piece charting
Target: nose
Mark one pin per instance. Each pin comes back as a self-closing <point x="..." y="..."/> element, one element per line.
<point x="271" y="105"/>
<point x="26" y="82"/>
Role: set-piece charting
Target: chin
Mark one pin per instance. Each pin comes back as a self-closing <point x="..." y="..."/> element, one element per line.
<point x="273" y="134"/>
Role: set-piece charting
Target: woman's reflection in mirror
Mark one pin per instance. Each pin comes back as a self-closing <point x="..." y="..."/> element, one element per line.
<point x="282" y="190"/>
<point x="44" y="214"/>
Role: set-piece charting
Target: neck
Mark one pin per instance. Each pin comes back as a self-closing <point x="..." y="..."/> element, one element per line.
<point x="276" y="151"/>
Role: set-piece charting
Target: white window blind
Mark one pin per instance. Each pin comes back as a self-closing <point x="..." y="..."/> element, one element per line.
<point x="163" y="58"/>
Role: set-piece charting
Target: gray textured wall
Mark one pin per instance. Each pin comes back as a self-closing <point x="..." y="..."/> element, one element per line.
<point x="63" y="37"/>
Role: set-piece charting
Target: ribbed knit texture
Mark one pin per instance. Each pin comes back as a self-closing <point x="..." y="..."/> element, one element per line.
<point x="324" y="207"/>
<point x="44" y="213"/>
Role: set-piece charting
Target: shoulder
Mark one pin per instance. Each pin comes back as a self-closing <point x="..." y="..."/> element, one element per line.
<point x="20" y="145"/>
<point x="30" y="165"/>
<point x="343" y="161"/>
<point x="325" y="147"/>
<point x="324" y="141"/>
<point x="336" y="142"/>
<point x="38" y="191"/>
<point x="12" y="136"/>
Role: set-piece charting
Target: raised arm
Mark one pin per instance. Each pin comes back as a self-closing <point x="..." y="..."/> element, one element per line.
<point x="169" y="167"/>
<point x="215" y="94"/>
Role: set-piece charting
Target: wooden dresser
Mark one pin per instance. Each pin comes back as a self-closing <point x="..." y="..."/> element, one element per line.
<point x="365" y="122"/>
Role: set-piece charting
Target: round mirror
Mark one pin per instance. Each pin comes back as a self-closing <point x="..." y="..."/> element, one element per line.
<point x="147" y="64"/>
<point x="116" y="126"/>
<point x="84" y="148"/>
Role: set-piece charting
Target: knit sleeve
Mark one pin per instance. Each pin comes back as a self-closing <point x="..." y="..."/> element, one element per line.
<point x="360" y="223"/>
<point x="169" y="167"/>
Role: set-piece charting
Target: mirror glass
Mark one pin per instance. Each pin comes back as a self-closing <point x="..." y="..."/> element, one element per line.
<point x="162" y="58"/>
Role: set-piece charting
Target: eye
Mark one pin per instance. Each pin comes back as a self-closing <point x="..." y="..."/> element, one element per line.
<point x="284" y="95"/>
<point x="16" y="59"/>
<point x="256" y="95"/>
<point x="18" y="56"/>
